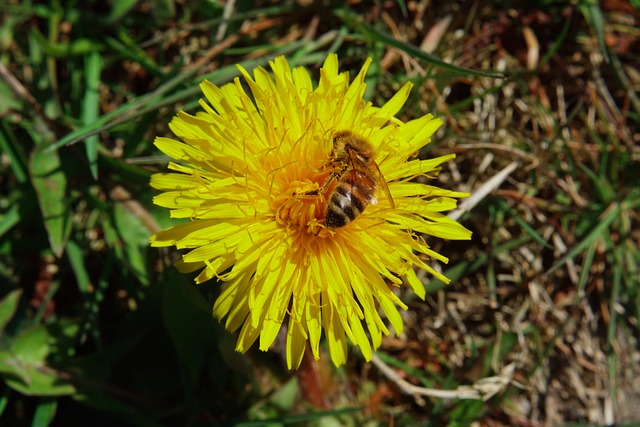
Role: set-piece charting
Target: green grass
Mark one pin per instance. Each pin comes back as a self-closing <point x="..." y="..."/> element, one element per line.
<point x="97" y="328"/>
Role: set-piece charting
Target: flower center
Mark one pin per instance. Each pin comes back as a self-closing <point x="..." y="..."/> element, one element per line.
<point x="301" y="207"/>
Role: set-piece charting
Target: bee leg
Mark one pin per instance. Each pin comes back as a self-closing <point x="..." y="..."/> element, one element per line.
<point x="312" y="194"/>
<point x="317" y="192"/>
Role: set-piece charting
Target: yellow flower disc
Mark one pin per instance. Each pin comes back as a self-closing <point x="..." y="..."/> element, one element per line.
<point x="252" y="177"/>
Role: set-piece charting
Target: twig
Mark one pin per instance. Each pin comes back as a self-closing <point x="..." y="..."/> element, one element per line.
<point x="15" y="85"/>
<point x="484" y="389"/>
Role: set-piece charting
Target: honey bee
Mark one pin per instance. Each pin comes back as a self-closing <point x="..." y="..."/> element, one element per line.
<point x="357" y="179"/>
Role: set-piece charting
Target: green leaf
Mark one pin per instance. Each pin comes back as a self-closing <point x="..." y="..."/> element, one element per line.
<point x="465" y="412"/>
<point x="91" y="107"/>
<point x="8" y="220"/>
<point x="45" y="411"/>
<point x="41" y="381"/>
<point x="4" y="400"/>
<point x="50" y="183"/>
<point x="8" y="101"/>
<point x="24" y="365"/>
<point x="135" y="237"/>
<point x="286" y="396"/>
<point x="31" y="346"/>
<point x="8" y="307"/>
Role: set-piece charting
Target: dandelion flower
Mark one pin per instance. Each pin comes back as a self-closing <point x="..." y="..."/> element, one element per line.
<point x="251" y="175"/>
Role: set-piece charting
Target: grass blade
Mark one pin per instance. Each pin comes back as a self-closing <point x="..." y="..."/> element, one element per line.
<point x="593" y="15"/>
<point x="598" y="231"/>
<point x="162" y="96"/>
<point x="91" y="107"/>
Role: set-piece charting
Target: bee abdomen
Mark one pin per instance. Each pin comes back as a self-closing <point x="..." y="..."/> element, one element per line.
<point x="348" y="201"/>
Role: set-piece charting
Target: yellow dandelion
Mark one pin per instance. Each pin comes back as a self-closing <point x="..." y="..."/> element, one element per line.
<point x="258" y="175"/>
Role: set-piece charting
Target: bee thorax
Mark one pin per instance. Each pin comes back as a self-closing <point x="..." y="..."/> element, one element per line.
<point x="356" y="177"/>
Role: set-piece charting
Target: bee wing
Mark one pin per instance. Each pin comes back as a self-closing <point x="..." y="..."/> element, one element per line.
<point x="380" y="181"/>
<point x="375" y="180"/>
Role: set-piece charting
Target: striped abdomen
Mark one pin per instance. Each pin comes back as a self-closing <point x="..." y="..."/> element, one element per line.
<point x="353" y="193"/>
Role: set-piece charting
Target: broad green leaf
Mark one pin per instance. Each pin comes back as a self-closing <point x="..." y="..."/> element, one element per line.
<point x="25" y="368"/>
<point x="8" y="100"/>
<point x="8" y="220"/>
<point x="50" y="184"/>
<point x="9" y="367"/>
<point x="31" y="346"/>
<point x="285" y="397"/>
<point x="465" y="411"/>
<point x="41" y="381"/>
<point x="8" y="307"/>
